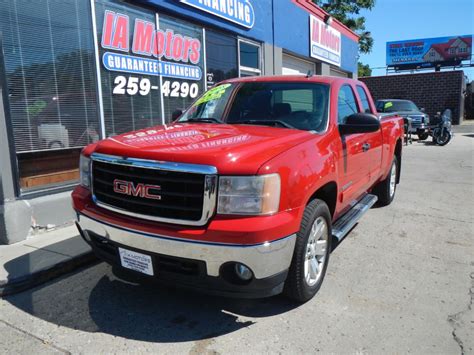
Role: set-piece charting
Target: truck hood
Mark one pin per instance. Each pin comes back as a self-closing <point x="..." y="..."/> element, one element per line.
<point x="232" y="149"/>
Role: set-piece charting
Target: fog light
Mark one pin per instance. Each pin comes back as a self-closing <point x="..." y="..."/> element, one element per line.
<point x="243" y="272"/>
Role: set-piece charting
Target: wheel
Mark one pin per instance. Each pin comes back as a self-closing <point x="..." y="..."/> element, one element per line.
<point x="423" y="136"/>
<point x="311" y="254"/>
<point x="443" y="138"/>
<point x="385" y="189"/>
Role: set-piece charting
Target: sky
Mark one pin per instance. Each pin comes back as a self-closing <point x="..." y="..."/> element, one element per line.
<point x="393" y="20"/>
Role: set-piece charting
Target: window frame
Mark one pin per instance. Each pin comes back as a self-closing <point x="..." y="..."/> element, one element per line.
<point x="355" y="100"/>
<point x="242" y="68"/>
<point x="361" y="106"/>
<point x="221" y="33"/>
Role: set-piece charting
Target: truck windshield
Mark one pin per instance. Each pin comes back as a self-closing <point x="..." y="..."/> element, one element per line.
<point x="278" y="104"/>
<point x="394" y="106"/>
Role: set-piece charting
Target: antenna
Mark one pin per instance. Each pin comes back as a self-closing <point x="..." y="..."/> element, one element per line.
<point x="309" y="74"/>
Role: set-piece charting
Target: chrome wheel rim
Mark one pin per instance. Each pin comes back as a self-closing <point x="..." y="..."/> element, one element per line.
<point x="393" y="179"/>
<point x="316" y="251"/>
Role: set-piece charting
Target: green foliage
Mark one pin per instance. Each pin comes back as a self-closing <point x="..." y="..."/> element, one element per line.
<point x="347" y="11"/>
<point x="363" y="70"/>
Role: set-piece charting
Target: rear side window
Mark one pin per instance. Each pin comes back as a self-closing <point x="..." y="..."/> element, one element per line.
<point x="363" y="99"/>
<point x="346" y="104"/>
<point x="379" y="106"/>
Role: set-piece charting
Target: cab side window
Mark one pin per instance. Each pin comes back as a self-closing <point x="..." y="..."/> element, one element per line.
<point x="346" y="104"/>
<point x="363" y="99"/>
<point x="379" y="106"/>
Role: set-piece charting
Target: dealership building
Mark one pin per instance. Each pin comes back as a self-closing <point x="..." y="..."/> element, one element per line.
<point x="76" y="71"/>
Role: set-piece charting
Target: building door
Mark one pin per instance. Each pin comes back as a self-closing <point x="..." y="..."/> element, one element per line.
<point x="294" y="66"/>
<point x="339" y="73"/>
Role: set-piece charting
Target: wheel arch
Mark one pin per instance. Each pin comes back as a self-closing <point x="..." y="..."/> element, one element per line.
<point x="398" y="154"/>
<point x="328" y="194"/>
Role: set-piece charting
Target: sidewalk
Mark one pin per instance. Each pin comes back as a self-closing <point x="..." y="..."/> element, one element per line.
<point x="467" y="126"/>
<point x="40" y="258"/>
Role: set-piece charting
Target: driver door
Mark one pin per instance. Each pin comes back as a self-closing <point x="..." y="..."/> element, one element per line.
<point x="353" y="164"/>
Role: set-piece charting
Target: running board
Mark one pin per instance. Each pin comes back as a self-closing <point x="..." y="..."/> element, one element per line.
<point x="345" y="223"/>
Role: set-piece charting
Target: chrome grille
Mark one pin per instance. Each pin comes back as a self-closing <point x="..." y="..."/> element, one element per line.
<point x="186" y="191"/>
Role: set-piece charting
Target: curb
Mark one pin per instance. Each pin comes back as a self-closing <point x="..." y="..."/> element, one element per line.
<point x="24" y="282"/>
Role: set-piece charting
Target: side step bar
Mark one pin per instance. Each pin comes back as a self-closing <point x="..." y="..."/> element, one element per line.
<point x="345" y="223"/>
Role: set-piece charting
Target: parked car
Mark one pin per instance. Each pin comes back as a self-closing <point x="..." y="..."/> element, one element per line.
<point x="420" y="121"/>
<point x="243" y="194"/>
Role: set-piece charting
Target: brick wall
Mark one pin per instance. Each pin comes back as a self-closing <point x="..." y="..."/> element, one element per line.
<point x="433" y="91"/>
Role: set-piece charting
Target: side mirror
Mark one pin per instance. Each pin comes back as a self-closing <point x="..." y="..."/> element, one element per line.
<point x="176" y="113"/>
<point x="360" y="123"/>
<point x="422" y="109"/>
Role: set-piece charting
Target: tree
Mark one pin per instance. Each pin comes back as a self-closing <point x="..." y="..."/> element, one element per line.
<point x="347" y="12"/>
<point x="363" y="70"/>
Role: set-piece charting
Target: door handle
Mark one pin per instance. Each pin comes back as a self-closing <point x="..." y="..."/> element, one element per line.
<point x="365" y="147"/>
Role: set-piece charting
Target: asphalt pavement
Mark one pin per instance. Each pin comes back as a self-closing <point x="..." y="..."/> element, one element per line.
<point x="401" y="282"/>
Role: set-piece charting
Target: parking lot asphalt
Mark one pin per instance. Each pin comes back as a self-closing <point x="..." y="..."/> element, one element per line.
<point x="401" y="282"/>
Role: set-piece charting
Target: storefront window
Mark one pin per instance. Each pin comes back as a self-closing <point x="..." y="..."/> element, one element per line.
<point x="49" y="62"/>
<point x="250" y="58"/>
<point x="182" y="92"/>
<point x="221" y="54"/>
<point x="126" y="107"/>
<point x="151" y="64"/>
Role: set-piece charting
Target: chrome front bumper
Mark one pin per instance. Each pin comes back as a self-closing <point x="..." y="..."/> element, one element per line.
<point x="265" y="260"/>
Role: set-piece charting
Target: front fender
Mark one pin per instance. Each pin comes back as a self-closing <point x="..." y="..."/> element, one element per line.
<point x="303" y="169"/>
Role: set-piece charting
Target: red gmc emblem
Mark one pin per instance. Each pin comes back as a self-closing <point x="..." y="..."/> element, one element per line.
<point x="137" y="190"/>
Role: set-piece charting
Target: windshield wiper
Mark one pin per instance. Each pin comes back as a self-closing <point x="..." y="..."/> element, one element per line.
<point x="266" y="122"/>
<point x="204" y="119"/>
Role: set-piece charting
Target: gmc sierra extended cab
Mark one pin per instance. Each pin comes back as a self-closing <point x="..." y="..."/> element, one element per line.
<point x="243" y="194"/>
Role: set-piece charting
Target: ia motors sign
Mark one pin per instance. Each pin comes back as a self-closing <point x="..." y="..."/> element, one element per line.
<point x="325" y="42"/>
<point x="169" y="54"/>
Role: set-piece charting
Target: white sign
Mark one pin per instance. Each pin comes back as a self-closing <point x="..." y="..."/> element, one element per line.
<point x="237" y="11"/>
<point x="325" y="42"/>
<point x="136" y="261"/>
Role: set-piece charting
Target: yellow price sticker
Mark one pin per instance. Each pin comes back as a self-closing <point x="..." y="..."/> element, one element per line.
<point x="213" y="94"/>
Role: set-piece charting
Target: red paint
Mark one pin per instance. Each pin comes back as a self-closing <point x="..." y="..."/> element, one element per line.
<point x="107" y="29"/>
<point x="304" y="161"/>
<point x="143" y="37"/>
<point x="120" y="36"/>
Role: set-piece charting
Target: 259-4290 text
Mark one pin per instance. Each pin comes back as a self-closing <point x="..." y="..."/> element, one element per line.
<point x="133" y="85"/>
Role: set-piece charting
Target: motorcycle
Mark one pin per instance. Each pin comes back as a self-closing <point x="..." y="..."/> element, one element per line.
<point x="442" y="132"/>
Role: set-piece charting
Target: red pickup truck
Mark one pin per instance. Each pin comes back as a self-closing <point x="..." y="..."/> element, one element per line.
<point x="245" y="193"/>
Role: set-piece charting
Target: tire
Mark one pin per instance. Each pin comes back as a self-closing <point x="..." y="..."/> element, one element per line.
<point x="423" y="136"/>
<point x="311" y="254"/>
<point x="385" y="189"/>
<point x="443" y="138"/>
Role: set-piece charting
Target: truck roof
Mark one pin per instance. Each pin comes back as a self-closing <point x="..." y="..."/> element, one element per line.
<point x="292" y="78"/>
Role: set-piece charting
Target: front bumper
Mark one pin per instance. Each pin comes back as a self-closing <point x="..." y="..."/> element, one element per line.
<point x="418" y="127"/>
<point x="205" y="263"/>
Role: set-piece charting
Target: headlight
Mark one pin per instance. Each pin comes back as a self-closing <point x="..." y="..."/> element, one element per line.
<point x="250" y="195"/>
<point x="85" y="171"/>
